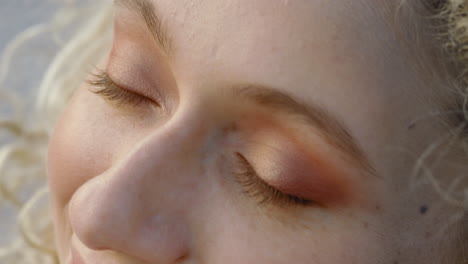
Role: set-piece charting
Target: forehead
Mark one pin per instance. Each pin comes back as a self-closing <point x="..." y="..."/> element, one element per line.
<point x="265" y="37"/>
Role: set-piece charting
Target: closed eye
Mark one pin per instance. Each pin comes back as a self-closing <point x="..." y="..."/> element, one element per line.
<point x="111" y="91"/>
<point x="265" y="194"/>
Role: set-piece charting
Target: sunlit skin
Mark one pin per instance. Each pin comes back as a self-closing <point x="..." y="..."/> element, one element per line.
<point x="155" y="182"/>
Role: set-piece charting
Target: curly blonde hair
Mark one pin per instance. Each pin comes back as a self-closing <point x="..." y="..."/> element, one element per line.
<point x="24" y="138"/>
<point x="436" y="34"/>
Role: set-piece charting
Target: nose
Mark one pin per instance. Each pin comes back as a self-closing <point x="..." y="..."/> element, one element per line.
<point x="138" y="207"/>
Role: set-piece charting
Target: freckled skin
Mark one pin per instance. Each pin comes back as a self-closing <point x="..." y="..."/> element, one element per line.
<point x="158" y="187"/>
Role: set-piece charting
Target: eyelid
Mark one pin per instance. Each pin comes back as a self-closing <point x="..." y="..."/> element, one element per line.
<point x="265" y="193"/>
<point x="115" y="93"/>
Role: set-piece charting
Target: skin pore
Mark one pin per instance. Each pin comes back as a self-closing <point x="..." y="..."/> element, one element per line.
<point x="245" y="132"/>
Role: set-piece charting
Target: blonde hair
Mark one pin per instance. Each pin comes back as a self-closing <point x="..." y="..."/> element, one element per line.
<point x="24" y="140"/>
<point x="23" y="190"/>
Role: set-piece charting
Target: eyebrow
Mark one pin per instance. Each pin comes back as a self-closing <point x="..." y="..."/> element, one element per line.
<point x="314" y="115"/>
<point x="146" y="10"/>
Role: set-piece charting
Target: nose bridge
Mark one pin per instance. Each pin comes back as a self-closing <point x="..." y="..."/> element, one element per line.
<point x="138" y="205"/>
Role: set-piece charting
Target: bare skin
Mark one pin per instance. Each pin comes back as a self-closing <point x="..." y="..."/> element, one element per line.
<point x="157" y="180"/>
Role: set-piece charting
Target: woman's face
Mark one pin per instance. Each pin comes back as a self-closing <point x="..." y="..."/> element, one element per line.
<point x="246" y="132"/>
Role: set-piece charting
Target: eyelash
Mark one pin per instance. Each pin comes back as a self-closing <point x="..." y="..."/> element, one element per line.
<point x="265" y="194"/>
<point x="115" y="93"/>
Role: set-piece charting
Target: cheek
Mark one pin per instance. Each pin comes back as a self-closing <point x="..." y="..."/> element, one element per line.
<point x="79" y="148"/>
<point x="321" y="238"/>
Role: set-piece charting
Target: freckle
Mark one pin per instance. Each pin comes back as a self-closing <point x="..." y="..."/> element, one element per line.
<point x="366" y="225"/>
<point x="230" y="128"/>
<point x="427" y="234"/>
<point x="395" y="262"/>
<point x="323" y="228"/>
<point x="378" y="208"/>
<point x="423" y="209"/>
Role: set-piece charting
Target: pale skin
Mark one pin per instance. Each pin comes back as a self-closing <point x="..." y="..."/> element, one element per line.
<point x="154" y="182"/>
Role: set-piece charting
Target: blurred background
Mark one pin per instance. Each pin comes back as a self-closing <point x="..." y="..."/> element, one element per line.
<point x="17" y="15"/>
<point x="27" y="45"/>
